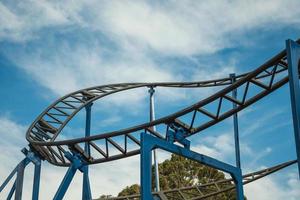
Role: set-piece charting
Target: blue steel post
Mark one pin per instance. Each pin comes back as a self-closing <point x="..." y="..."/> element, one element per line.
<point x="152" y="117"/>
<point x="293" y="57"/>
<point x="149" y="142"/>
<point x="36" y="160"/>
<point x="145" y="169"/>
<point x="236" y="126"/>
<point x="76" y="164"/>
<point x="86" y="189"/>
<point x="36" y="180"/>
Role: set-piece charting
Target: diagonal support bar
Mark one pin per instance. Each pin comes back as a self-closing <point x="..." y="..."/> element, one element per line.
<point x="20" y="179"/>
<point x="293" y="57"/>
<point x="6" y="181"/>
<point x="11" y="192"/>
<point x="148" y="143"/>
<point x="76" y="164"/>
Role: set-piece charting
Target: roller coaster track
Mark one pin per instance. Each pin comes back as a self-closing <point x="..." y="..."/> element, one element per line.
<point x="43" y="132"/>
<point x="207" y="190"/>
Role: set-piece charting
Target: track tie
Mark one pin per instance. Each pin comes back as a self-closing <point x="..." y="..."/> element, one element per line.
<point x="260" y="84"/>
<point x="207" y="113"/>
<point x="111" y="141"/>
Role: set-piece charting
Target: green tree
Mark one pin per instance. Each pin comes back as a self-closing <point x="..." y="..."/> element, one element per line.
<point x="130" y="190"/>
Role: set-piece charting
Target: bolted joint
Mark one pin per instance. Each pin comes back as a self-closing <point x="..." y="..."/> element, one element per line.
<point x="151" y="90"/>
<point x="178" y="136"/>
<point x="76" y="160"/>
<point x="233" y="77"/>
<point x="32" y="156"/>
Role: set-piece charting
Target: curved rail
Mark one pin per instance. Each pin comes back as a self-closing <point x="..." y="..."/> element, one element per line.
<point x="207" y="190"/>
<point x="105" y="147"/>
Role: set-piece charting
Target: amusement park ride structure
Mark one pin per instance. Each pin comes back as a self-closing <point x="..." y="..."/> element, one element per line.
<point x="170" y="133"/>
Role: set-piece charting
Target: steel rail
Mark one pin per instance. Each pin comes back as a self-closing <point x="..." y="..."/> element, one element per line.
<point x="43" y="132"/>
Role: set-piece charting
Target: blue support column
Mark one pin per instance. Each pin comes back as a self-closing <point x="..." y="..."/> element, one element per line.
<point x="36" y="160"/>
<point x="148" y="143"/>
<point x="236" y="126"/>
<point x="152" y="117"/>
<point x="76" y="164"/>
<point x="146" y="169"/>
<point x="293" y="57"/>
<point x="86" y="189"/>
<point x="36" y="181"/>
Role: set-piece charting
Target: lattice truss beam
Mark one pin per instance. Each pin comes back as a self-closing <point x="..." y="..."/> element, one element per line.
<point x="119" y="144"/>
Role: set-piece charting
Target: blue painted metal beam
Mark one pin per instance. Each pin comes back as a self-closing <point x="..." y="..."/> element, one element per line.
<point x="152" y="118"/>
<point x="86" y="189"/>
<point x="293" y="57"/>
<point x="20" y="179"/>
<point x="236" y="126"/>
<point x="36" y="160"/>
<point x="11" y="192"/>
<point x="36" y="181"/>
<point x="76" y="164"/>
<point x="6" y="181"/>
<point x="17" y="187"/>
<point x="148" y="143"/>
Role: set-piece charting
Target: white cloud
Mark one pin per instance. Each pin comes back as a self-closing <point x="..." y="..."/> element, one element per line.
<point x="269" y="188"/>
<point x="189" y="27"/>
<point x="172" y="27"/>
<point x="221" y="147"/>
<point x="23" y="20"/>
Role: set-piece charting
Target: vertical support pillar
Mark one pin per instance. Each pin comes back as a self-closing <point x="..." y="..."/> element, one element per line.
<point x="293" y="57"/>
<point x="36" y="181"/>
<point x="236" y="126"/>
<point x="152" y="117"/>
<point x="75" y="165"/>
<point x="238" y="180"/>
<point x="145" y="159"/>
<point x="86" y="189"/>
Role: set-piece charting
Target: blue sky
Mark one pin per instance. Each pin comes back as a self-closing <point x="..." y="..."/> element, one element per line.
<point x="49" y="48"/>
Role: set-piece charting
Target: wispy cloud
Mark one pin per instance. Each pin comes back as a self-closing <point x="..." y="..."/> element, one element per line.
<point x="269" y="188"/>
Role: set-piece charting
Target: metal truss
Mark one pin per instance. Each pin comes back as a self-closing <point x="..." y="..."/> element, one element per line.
<point x="208" y="190"/>
<point x="104" y="147"/>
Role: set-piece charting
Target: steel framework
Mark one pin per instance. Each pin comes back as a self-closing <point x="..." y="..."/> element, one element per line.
<point x="170" y="133"/>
